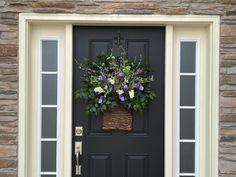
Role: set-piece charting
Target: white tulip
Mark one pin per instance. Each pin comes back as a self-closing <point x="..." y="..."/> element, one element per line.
<point x="111" y="81"/>
<point x="131" y="94"/>
<point x="120" y="92"/>
<point x="99" y="90"/>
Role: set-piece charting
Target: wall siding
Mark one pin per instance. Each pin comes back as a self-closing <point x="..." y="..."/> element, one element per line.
<point x="9" y="10"/>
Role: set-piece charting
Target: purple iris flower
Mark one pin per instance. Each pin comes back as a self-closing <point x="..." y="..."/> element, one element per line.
<point x="139" y="86"/>
<point x="122" y="98"/>
<point x="101" y="99"/>
<point x="125" y="87"/>
<point x="121" y="75"/>
<point x="101" y="78"/>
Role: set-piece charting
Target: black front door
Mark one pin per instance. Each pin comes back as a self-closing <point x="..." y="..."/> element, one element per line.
<point x="139" y="153"/>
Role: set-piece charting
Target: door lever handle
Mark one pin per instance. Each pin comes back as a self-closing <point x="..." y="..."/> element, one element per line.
<point x="78" y="153"/>
<point x="78" y="166"/>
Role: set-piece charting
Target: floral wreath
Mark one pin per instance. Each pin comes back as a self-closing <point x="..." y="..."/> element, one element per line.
<point x="115" y="80"/>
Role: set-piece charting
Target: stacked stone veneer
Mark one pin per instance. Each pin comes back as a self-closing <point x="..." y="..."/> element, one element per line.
<point x="10" y="9"/>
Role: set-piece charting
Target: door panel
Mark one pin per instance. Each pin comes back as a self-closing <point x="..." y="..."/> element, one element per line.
<point x="139" y="153"/>
<point x="136" y="165"/>
<point x="100" y="165"/>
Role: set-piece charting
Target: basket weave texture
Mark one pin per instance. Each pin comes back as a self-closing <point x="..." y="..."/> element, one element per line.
<point x="117" y="119"/>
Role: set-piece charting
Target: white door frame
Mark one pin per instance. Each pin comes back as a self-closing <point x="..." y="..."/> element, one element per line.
<point x="211" y="22"/>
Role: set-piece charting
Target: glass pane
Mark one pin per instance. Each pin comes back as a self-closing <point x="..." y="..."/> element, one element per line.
<point x="187" y="124"/>
<point x="187" y="90"/>
<point x="187" y="57"/>
<point x="48" y="156"/>
<point x="49" y="89"/>
<point x="49" y="122"/>
<point x="49" y="55"/>
<point x="187" y="157"/>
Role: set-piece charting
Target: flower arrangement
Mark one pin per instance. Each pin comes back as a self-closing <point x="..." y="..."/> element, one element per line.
<point x="115" y="80"/>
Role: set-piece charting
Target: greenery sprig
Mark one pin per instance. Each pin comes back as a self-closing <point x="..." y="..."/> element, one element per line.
<point x="115" y="80"/>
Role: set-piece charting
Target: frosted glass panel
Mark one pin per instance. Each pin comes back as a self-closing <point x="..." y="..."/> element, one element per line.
<point x="187" y="90"/>
<point x="187" y="157"/>
<point x="48" y="156"/>
<point x="187" y="124"/>
<point x="49" y="89"/>
<point x="187" y="57"/>
<point x="49" y="55"/>
<point x="49" y="122"/>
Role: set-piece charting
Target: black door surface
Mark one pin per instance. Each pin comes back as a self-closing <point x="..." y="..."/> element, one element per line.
<point x="139" y="153"/>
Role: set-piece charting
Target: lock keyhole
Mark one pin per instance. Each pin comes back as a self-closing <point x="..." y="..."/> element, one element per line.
<point x="78" y="131"/>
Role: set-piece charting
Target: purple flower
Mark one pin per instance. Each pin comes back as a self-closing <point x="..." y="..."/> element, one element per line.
<point x="139" y="86"/>
<point x="101" y="99"/>
<point x="122" y="98"/>
<point x="125" y="87"/>
<point x="138" y="71"/>
<point x="121" y="75"/>
<point x="101" y="78"/>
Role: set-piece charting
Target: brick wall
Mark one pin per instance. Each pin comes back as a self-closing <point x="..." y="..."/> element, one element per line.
<point x="9" y="10"/>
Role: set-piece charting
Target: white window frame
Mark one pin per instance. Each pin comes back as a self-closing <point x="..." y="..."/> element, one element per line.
<point x="212" y="22"/>
<point x="196" y="107"/>
<point x="40" y="106"/>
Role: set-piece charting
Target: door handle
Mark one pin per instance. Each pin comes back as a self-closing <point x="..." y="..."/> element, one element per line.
<point x="78" y="153"/>
<point x="78" y="166"/>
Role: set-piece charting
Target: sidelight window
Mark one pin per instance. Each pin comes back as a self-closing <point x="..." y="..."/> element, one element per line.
<point x="187" y="109"/>
<point x="49" y="117"/>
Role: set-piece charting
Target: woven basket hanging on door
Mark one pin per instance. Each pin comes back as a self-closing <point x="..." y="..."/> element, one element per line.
<point x="117" y="119"/>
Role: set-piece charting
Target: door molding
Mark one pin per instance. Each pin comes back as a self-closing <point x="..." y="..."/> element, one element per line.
<point x="211" y="22"/>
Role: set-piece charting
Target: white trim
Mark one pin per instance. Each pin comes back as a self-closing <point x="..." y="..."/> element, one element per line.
<point x="126" y="20"/>
<point x="68" y="101"/>
<point x="39" y="117"/>
<point x="197" y="115"/>
<point x="187" y="74"/>
<point x="118" y="19"/>
<point x="48" y="173"/>
<point x="214" y="98"/>
<point x="177" y="153"/>
<point x="169" y="101"/>
<point x="49" y="106"/>
<point x="48" y="139"/>
<point x="187" y="107"/>
<point x="187" y="174"/>
<point x="48" y="72"/>
<point x="58" y="107"/>
<point x="23" y="103"/>
<point x="187" y="141"/>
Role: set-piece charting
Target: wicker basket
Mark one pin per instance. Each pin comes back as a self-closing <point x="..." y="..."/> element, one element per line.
<point x="117" y="119"/>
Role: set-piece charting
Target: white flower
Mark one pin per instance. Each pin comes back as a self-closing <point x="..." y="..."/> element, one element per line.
<point x="120" y="92"/>
<point x="99" y="90"/>
<point x="126" y="80"/>
<point x="131" y="94"/>
<point x="152" y="79"/>
<point x="105" y="87"/>
<point x="111" y="81"/>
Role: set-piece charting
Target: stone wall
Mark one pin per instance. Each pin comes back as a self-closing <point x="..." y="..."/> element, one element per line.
<point x="9" y="10"/>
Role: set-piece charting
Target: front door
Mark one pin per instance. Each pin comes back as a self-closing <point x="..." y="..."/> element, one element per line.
<point x="139" y="153"/>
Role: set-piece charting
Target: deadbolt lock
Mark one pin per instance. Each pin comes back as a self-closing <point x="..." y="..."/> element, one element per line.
<point x="78" y="131"/>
